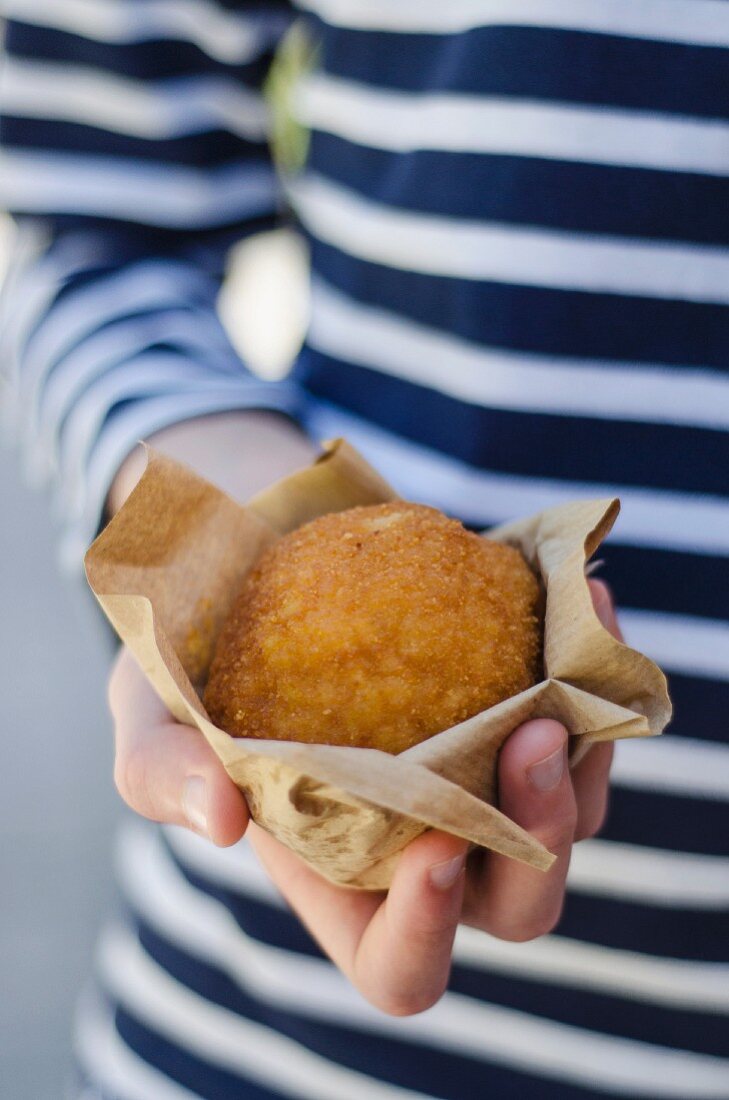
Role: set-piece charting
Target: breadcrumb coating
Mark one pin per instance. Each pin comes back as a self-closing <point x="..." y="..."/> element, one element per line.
<point x="377" y="627"/>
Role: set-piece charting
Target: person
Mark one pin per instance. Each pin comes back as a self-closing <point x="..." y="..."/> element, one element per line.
<point x="517" y="223"/>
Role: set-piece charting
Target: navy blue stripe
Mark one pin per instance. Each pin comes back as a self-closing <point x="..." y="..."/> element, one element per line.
<point x="652" y="579"/>
<point x="257" y="7"/>
<point x="611" y="1013"/>
<point x="626" y="1017"/>
<point x="199" y="293"/>
<point x="210" y="149"/>
<point x="629" y="926"/>
<point x="633" y="202"/>
<point x="672" y="932"/>
<point x="666" y="580"/>
<point x="397" y="1061"/>
<point x="700" y="707"/>
<point x="268" y="923"/>
<point x="604" y="451"/>
<point x="128" y="240"/>
<point x="538" y="63"/>
<point x="178" y="1064"/>
<point x="665" y="821"/>
<point x="523" y="318"/>
<point x="153" y="59"/>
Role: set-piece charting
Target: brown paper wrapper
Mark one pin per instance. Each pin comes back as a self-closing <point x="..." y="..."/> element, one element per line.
<point x="169" y="565"/>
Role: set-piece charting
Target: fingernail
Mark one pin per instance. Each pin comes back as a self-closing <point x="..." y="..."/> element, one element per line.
<point x="195" y="803"/>
<point x="443" y="875"/>
<point x="546" y="774"/>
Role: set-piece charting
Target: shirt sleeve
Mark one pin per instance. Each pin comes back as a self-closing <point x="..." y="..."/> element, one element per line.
<point x="134" y="152"/>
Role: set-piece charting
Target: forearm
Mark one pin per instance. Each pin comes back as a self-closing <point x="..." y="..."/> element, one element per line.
<point x="110" y="330"/>
<point x="240" y="452"/>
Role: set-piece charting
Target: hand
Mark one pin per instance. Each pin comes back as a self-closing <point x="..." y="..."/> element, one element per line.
<point x="396" y="949"/>
<point x="164" y="770"/>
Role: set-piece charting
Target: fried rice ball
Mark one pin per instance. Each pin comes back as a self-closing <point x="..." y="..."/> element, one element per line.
<point x="376" y="627"/>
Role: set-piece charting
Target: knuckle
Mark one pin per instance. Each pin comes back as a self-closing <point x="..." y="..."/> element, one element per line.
<point x="408" y="1002"/>
<point x="121" y="778"/>
<point x="429" y="929"/>
<point x="593" y="825"/>
<point x="408" y="993"/>
<point x="600" y="818"/>
<point x="532" y="927"/>
<point x="115" y="685"/>
<point x="559" y="832"/>
<point x="132" y="782"/>
<point x="112" y="690"/>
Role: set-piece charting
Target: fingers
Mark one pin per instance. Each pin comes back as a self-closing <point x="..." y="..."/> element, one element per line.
<point x="404" y="958"/>
<point x="164" y="770"/>
<point x="602" y="601"/>
<point x="335" y="916"/>
<point x="590" y="781"/>
<point x="396" y="951"/>
<point x="591" y="776"/>
<point x="509" y="899"/>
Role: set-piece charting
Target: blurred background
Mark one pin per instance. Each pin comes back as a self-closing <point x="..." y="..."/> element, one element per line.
<point x="57" y="801"/>
<point x="58" y="805"/>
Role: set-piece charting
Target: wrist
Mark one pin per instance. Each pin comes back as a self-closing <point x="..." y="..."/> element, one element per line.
<point x="241" y="452"/>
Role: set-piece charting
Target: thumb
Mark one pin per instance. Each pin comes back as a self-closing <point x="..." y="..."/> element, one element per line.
<point x="166" y="771"/>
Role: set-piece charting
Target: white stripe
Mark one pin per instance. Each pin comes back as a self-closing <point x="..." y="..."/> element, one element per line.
<point x="153" y="194"/>
<point x="680" y="643"/>
<point x="225" y="1039"/>
<point x="698" y="22"/>
<point x="225" y="35"/>
<point x="649" y="875"/>
<point x="34" y="278"/>
<point x="673" y="765"/>
<point x="7" y="248"/>
<point x="236" y="868"/>
<point x="438" y="245"/>
<point x="402" y="122"/>
<point x="504" y="379"/>
<point x="165" y="109"/>
<point x="196" y="335"/>
<point x="457" y="1024"/>
<point x="149" y="288"/>
<point x="111" y="1064"/>
<point x="676" y="982"/>
<point x="680" y="521"/>
<point x="23" y="298"/>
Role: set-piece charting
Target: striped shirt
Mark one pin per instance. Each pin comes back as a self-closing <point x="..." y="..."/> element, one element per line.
<point x="518" y="214"/>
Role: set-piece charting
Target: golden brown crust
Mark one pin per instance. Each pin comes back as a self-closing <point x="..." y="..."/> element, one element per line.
<point x="377" y="627"/>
